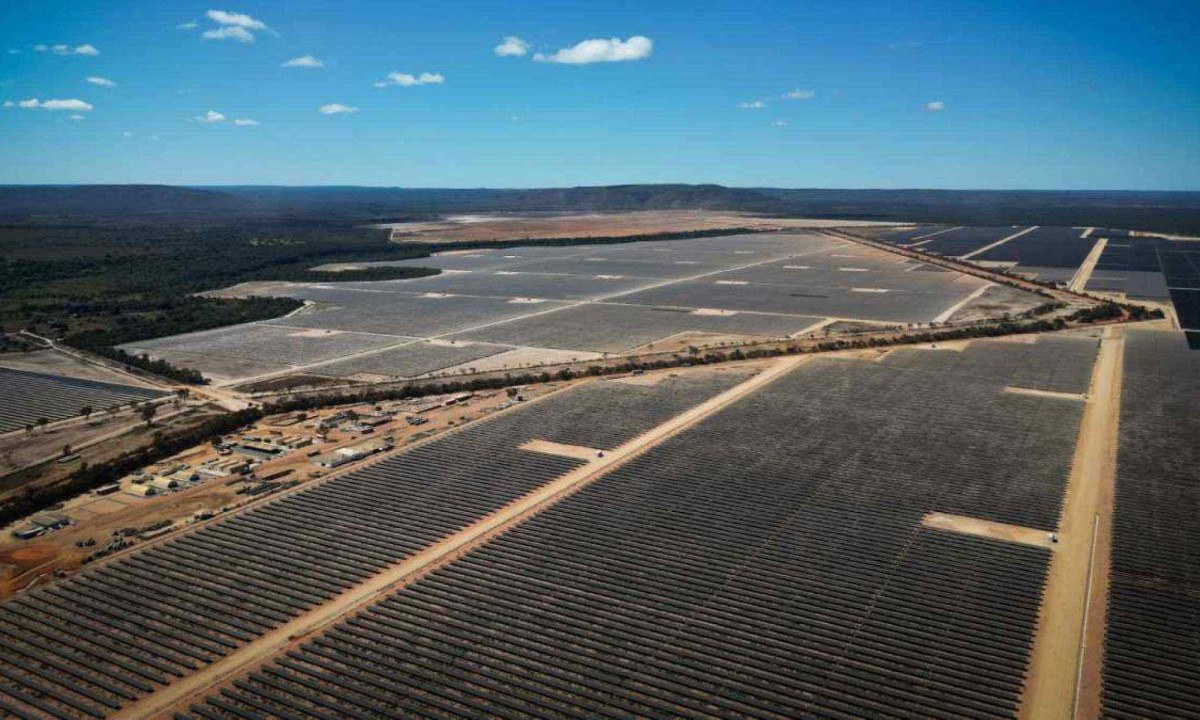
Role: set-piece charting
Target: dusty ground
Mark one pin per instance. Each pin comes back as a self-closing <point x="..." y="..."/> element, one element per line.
<point x="619" y="224"/>
<point x="680" y="342"/>
<point x="987" y="528"/>
<point x="1065" y="665"/>
<point x="246" y="289"/>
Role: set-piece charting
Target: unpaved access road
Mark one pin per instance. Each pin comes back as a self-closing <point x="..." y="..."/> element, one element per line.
<point x="1065" y="665"/>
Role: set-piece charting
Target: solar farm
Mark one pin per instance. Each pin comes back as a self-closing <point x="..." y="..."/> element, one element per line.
<point x="586" y="300"/>
<point x="939" y="528"/>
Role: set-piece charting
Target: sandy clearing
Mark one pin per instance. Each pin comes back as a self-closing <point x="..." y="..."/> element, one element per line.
<point x="1015" y="390"/>
<point x="614" y="224"/>
<point x="988" y="529"/>
<point x="1064" y="673"/>
<point x="548" y="447"/>
<point x="998" y="243"/>
<point x="314" y="333"/>
<point x="178" y="694"/>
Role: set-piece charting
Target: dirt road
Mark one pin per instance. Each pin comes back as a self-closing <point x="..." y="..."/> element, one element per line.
<point x="1080" y="280"/>
<point x="179" y="694"/>
<point x="1064" y="668"/>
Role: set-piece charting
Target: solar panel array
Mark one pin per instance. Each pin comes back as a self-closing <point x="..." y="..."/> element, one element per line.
<point x="966" y="239"/>
<point x="1152" y="652"/>
<point x="1044" y="247"/>
<point x="112" y="633"/>
<point x="26" y="397"/>
<point x="1155" y="269"/>
<point x="768" y="562"/>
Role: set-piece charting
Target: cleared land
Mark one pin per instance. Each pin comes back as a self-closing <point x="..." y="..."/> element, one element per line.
<point x="27" y="397"/>
<point x="764" y="562"/>
<point x="584" y="225"/>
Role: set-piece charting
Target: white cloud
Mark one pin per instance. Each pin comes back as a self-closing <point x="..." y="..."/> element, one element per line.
<point x="62" y="49"/>
<point x="78" y="117"/>
<point x="935" y="106"/>
<point x="244" y="122"/>
<point x="14" y="51"/>
<point x="230" y="32"/>
<point x="9" y="103"/>
<point x="241" y="20"/>
<point x="406" y="80"/>
<point x="72" y="105"/>
<point x="779" y="123"/>
<point x="753" y="105"/>
<point x="212" y="116"/>
<point x="512" y="46"/>
<point x="189" y="25"/>
<point x="336" y="109"/>
<point x="126" y="134"/>
<point x="601" y="50"/>
<point x="305" y="61"/>
<point x="799" y="94"/>
<point x="102" y="82"/>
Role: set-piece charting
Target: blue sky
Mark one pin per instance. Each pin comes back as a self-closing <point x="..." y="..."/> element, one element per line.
<point x="1034" y="95"/>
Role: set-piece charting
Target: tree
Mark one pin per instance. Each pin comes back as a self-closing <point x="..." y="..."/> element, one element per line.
<point x="66" y="450"/>
<point x="86" y="411"/>
<point x="147" y="412"/>
<point x="42" y="423"/>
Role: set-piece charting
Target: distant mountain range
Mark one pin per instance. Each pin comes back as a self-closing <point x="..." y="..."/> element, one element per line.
<point x="1158" y="211"/>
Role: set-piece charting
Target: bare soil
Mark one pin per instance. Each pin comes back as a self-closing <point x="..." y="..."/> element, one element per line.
<point x="588" y="225"/>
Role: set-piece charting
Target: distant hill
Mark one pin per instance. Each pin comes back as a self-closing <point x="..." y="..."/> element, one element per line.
<point x="113" y="200"/>
<point x="1175" y="212"/>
